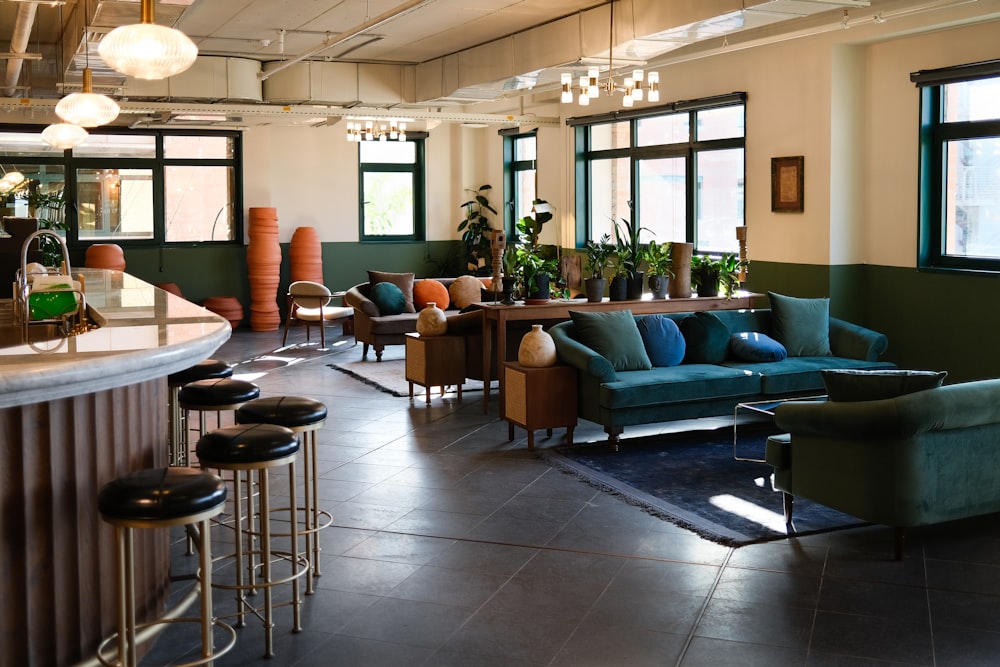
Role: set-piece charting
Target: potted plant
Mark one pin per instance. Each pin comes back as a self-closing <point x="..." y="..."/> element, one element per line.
<point x="537" y="264"/>
<point x="510" y="275"/>
<point x="659" y="260"/>
<point x="476" y="230"/>
<point x="629" y="257"/>
<point x="710" y="276"/>
<point x="598" y="259"/>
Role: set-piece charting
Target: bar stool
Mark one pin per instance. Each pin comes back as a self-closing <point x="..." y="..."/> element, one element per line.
<point x="209" y="369"/>
<point x="213" y="395"/>
<point x="244" y="450"/>
<point x="304" y="416"/>
<point x="160" y="498"/>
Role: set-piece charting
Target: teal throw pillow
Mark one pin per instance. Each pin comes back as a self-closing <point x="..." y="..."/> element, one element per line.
<point x="861" y="385"/>
<point x="613" y="335"/>
<point x="662" y="339"/>
<point x="755" y="346"/>
<point x="801" y="325"/>
<point x="389" y="299"/>
<point x="706" y="338"/>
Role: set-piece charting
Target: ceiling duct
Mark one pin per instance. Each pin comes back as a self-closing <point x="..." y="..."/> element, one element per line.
<point x="18" y="44"/>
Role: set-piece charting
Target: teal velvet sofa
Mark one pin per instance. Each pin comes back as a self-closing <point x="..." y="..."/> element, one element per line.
<point x="616" y="399"/>
<point x="913" y="460"/>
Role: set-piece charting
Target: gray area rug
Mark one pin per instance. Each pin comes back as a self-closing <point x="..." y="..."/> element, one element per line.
<point x="389" y="375"/>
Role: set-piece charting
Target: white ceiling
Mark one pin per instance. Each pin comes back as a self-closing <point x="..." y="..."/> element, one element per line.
<point x="493" y="49"/>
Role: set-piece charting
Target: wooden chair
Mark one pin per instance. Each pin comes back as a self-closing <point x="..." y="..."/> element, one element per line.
<point x="308" y="302"/>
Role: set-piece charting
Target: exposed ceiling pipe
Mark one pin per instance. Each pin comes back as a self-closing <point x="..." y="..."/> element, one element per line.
<point x="18" y="44"/>
<point x="345" y="36"/>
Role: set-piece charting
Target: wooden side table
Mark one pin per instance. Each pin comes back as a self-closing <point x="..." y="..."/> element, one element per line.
<point x="435" y="361"/>
<point x="539" y="398"/>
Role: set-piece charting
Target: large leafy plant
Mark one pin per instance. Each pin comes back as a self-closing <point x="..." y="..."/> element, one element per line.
<point x="629" y="248"/>
<point x="476" y="229"/>
<point x="598" y="256"/>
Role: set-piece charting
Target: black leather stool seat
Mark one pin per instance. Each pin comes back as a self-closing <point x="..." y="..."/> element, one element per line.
<point x="160" y="494"/>
<point x="209" y="369"/>
<point x="290" y="411"/>
<point x="246" y="443"/>
<point x="220" y="391"/>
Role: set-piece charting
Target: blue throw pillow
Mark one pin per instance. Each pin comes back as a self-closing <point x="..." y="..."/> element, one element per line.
<point x="706" y="338"/>
<point x="662" y="339"/>
<point x="613" y="335"/>
<point x="801" y="325"/>
<point x="755" y="346"/>
<point x="389" y="298"/>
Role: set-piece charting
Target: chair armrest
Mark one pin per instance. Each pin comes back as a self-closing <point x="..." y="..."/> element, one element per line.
<point x="856" y="342"/>
<point x="356" y="298"/>
<point x="578" y="355"/>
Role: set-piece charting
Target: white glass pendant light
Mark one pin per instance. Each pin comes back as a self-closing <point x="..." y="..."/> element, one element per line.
<point x="64" y="135"/>
<point x="146" y="50"/>
<point x="87" y="109"/>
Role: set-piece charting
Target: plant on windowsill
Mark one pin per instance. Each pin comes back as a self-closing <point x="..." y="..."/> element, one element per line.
<point x="630" y="255"/>
<point x="598" y="259"/>
<point x="711" y="276"/>
<point x="659" y="261"/>
<point x="538" y="265"/>
<point x="476" y="231"/>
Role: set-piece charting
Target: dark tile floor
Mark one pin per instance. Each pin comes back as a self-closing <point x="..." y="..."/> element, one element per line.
<point x="452" y="546"/>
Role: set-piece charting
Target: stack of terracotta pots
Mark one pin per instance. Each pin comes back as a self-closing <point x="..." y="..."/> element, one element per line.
<point x="263" y="268"/>
<point x="305" y="255"/>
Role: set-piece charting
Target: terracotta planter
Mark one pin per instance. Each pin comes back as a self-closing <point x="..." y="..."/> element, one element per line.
<point x="228" y="307"/>
<point x="305" y="255"/>
<point x="263" y="269"/>
<point x="105" y="256"/>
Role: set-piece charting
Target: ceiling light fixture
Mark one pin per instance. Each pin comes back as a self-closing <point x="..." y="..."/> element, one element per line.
<point x="146" y="50"/>
<point x="633" y="88"/>
<point x="11" y="181"/>
<point x="64" y="135"/>
<point x="87" y="109"/>
<point x="358" y="131"/>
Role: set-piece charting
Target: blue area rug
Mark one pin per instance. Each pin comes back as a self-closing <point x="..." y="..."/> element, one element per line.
<point x="692" y="480"/>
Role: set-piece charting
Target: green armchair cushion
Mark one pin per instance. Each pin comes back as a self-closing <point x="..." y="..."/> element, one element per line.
<point x="389" y="298"/>
<point x="801" y="325"/>
<point x="706" y="338"/>
<point x="874" y="385"/>
<point x="613" y="335"/>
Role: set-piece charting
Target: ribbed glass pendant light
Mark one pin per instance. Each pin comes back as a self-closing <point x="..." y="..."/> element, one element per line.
<point x="146" y="50"/>
<point x="64" y="135"/>
<point x="87" y="109"/>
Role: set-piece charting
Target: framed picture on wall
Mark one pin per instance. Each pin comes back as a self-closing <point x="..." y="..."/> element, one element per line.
<point x="786" y="184"/>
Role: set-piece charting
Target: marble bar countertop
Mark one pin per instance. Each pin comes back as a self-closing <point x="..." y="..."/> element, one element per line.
<point x="144" y="333"/>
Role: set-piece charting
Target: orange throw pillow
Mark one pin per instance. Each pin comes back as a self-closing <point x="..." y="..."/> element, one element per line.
<point x="428" y="290"/>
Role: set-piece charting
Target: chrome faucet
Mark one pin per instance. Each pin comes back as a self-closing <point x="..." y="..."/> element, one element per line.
<point x="22" y="309"/>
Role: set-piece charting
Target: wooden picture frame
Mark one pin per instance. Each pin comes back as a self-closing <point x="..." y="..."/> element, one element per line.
<point x="787" y="180"/>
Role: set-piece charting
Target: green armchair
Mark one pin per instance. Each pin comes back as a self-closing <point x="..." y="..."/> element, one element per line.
<point x="914" y="460"/>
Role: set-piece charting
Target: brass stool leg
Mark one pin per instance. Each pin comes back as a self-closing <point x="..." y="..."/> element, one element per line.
<point x="207" y="619"/>
<point x="310" y="438"/>
<point x="265" y="547"/>
<point x="293" y="517"/>
<point x="241" y="604"/>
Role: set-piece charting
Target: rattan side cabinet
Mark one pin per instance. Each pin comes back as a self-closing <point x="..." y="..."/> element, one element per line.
<point x="537" y="398"/>
<point x="435" y="361"/>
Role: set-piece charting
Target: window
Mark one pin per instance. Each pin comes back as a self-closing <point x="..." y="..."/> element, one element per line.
<point x="676" y="170"/>
<point x="392" y="189"/>
<point x="520" y="165"/>
<point x="960" y="167"/>
<point x="134" y="188"/>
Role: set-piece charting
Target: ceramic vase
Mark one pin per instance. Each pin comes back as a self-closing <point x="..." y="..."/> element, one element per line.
<point x="305" y="255"/>
<point x="432" y="321"/>
<point x="263" y="268"/>
<point x="658" y="286"/>
<point x="680" y="286"/>
<point x="508" y="290"/>
<point x="537" y="349"/>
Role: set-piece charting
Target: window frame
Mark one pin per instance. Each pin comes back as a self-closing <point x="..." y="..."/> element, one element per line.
<point x="418" y="171"/>
<point x="584" y="155"/>
<point x="512" y="168"/>
<point x="934" y="135"/>
<point x="156" y="164"/>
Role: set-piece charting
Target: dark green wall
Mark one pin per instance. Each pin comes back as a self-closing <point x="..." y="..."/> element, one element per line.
<point x="934" y="320"/>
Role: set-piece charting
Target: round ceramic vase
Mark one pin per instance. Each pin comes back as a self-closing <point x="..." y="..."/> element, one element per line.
<point x="537" y="348"/>
<point x="432" y="321"/>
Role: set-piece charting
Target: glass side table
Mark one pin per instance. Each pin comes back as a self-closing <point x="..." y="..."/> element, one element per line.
<point x="761" y="408"/>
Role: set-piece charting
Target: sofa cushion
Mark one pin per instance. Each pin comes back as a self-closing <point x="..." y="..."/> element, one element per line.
<point x="755" y="346"/>
<point x="465" y="291"/>
<point x="874" y="385"/>
<point x="686" y="383"/>
<point x="613" y="335"/>
<point x="388" y="298"/>
<point x="428" y="291"/>
<point x="801" y="325"/>
<point x="404" y="281"/>
<point x="706" y="338"/>
<point x="662" y="339"/>
<point x="797" y="375"/>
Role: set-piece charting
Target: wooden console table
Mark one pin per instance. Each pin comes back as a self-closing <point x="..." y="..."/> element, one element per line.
<point x="497" y="316"/>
